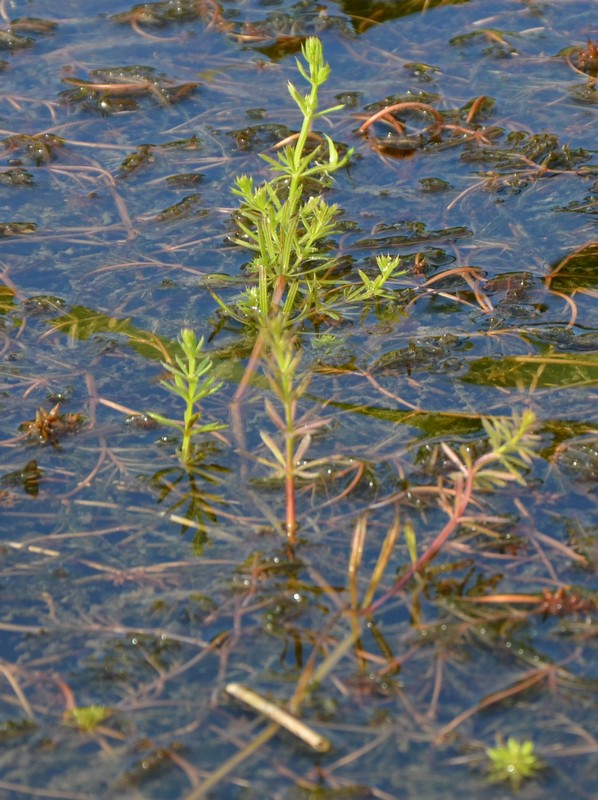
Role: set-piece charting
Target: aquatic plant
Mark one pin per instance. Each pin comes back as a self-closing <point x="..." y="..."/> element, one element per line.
<point x="276" y="223"/>
<point x="190" y="380"/>
<point x="512" y="762"/>
<point x="284" y="231"/>
<point x="105" y="602"/>
<point x="281" y="363"/>
<point x="49" y="427"/>
<point x="284" y="221"/>
<point x="87" y="718"/>
<point x="511" y="447"/>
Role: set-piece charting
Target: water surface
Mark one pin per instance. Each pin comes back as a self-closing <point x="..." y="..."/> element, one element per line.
<point x="130" y="583"/>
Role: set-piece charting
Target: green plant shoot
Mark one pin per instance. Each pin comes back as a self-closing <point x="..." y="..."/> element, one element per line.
<point x="189" y="378"/>
<point x="281" y="226"/>
<point x="87" y="718"/>
<point x="284" y="222"/>
<point x="512" y="762"/>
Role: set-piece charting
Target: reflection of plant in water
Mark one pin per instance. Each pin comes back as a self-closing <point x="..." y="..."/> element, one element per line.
<point x="190" y="504"/>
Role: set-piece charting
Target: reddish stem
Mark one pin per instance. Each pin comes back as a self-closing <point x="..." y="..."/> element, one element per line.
<point x="462" y="500"/>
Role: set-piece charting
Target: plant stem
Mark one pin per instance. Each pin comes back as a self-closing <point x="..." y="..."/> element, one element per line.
<point x="229" y="765"/>
<point x="463" y="496"/>
<point x="291" y="516"/>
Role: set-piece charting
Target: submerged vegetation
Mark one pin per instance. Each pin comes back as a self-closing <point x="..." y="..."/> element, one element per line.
<point x="350" y="550"/>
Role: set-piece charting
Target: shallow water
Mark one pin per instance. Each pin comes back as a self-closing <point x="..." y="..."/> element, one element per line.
<point x="130" y="583"/>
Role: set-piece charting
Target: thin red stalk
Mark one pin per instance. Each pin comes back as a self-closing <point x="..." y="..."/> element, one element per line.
<point x="461" y="502"/>
<point x="291" y="517"/>
<point x="387" y="110"/>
